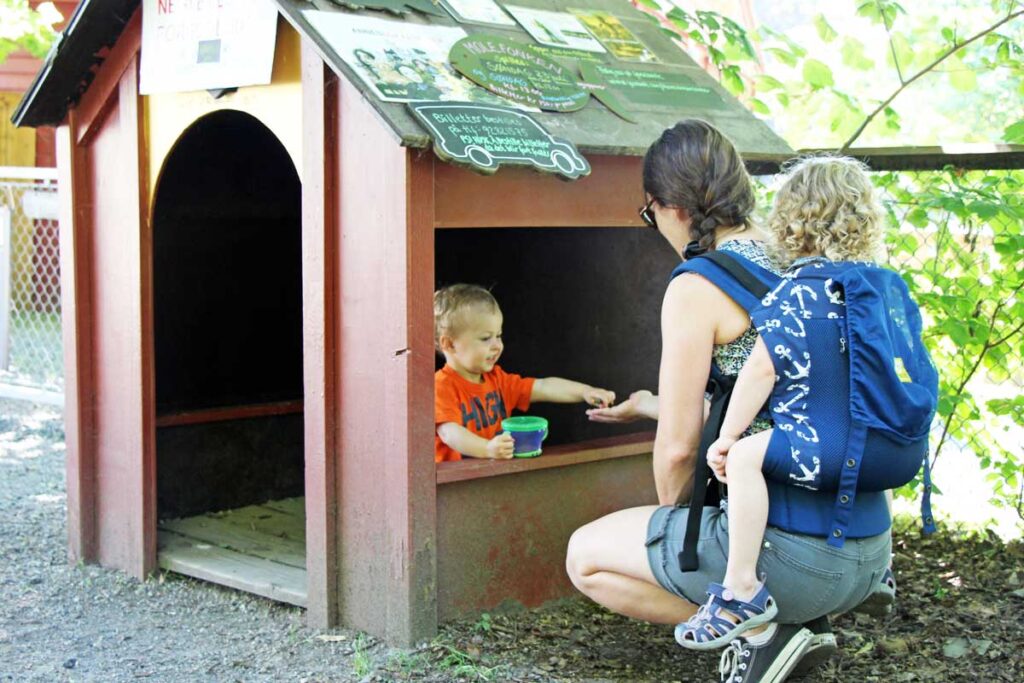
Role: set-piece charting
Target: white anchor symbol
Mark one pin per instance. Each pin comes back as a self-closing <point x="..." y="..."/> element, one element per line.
<point x="801" y="370"/>
<point x="835" y="296"/>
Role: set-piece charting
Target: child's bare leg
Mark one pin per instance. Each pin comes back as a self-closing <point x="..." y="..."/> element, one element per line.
<point x="748" y="512"/>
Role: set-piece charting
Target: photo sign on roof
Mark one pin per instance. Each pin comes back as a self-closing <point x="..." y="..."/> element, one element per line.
<point x="485" y="137"/>
<point x="396" y="60"/>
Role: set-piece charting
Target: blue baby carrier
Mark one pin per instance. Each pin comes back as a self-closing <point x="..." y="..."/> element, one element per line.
<point x="800" y="509"/>
<point x="825" y="319"/>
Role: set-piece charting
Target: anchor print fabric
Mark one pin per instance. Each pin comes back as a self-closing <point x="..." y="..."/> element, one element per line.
<point x="787" y="314"/>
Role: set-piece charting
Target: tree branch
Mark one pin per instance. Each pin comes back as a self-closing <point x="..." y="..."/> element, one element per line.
<point x="892" y="46"/>
<point x="903" y="86"/>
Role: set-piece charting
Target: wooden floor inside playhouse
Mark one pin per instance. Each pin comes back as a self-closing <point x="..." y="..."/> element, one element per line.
<point x="259" y="549"/>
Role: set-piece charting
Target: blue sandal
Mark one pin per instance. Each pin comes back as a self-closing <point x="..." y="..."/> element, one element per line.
<point x="724" y="618"/>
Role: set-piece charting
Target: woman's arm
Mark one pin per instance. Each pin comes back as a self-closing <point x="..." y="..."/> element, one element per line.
<point x="689" y="319"/>
<point x="561" y="390"/>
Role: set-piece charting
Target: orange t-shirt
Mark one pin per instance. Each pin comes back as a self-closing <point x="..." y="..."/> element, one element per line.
<point x="479" y="408"/>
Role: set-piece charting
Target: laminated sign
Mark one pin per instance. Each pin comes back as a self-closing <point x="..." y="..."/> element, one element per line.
<point x="485" y="137"/>
<point x="517" y="72"/>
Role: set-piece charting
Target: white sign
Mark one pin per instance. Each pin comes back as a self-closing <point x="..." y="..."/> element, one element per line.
<point x="557" y="29"/>
<point x="206" y="44"/>
<point x="399" y="61"/>
<point x="478" y="12"/>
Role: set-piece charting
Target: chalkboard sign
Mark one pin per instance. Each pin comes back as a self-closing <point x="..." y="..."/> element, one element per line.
<point x="651" y="88"/>
<point x="517" y="72"/>
<point x="484" y="137"/>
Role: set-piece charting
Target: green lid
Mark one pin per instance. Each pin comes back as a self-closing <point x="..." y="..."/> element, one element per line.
<point x="524" y="423"/>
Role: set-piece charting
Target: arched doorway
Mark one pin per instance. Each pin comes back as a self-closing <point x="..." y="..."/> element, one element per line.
<point x="227" y="316"/>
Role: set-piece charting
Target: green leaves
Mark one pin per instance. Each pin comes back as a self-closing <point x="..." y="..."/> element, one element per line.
<point x="1014" y="133"/>
<point x="25" y="28"/>
<point x="817" y="74"/>
<point x="825" y="30"/>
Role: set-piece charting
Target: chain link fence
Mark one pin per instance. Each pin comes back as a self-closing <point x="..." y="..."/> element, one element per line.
<point x="31" y="357"/>
<point x="956" y="235"/>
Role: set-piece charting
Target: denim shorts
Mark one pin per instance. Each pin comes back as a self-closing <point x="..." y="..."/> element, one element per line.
<point x="807" y="577"/>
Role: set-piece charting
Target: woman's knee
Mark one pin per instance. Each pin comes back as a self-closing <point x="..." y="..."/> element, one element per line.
<point x="578" y="561"/>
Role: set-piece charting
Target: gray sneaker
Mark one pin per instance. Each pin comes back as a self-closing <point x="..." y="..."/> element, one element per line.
<point x="821" y="646"/>
<point x="771" y="662"/>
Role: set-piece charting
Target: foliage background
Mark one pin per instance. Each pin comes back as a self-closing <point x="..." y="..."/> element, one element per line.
<point x="877" y="73"/>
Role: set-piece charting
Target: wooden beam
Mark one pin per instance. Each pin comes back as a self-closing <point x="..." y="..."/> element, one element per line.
<point x="76" y="318"/>
<point x="102" y="92"/>
<point x="320" y="298"/>
<point x="554" y="456"/>
<point x="385" y="365"/>
<point x="228" y="413"/>
<point x="517" y="198"/>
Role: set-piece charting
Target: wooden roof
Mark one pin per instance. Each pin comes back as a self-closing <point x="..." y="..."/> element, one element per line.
<point x="594" y="129"/>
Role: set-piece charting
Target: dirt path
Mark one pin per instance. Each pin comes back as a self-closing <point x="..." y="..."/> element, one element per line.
<point x="960" y="615"/>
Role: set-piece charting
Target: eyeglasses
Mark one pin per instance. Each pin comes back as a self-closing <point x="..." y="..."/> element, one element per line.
<point x="647" y="215"/>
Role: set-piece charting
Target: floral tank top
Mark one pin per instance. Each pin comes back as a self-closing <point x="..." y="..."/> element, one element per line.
<point x="730" y="357"/>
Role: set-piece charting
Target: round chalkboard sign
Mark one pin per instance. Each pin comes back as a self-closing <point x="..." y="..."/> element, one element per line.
<point x="517" y="72"/>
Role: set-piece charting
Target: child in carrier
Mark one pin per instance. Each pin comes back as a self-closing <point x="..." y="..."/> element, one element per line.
<point x="840" y="362"/>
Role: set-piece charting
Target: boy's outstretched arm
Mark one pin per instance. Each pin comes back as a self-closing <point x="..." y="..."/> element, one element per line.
<point x="466" y="442"/>
<point x="561" y="390"/>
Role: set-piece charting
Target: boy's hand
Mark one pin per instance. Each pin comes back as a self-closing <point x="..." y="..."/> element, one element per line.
<point x="717" y="454"/>
<point x="599" y="398"/>
<point x="501" y="447"/>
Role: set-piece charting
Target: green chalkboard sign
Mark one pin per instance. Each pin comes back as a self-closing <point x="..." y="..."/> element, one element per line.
<point x="517" y="72"/>
<point x="651" y="88"/>
<point x="485" y="137"/>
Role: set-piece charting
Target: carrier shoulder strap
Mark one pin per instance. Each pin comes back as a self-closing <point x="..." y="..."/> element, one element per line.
<point x="721" y="391"/>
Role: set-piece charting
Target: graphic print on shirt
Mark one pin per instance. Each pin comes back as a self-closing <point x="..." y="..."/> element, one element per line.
<point x="484" y="413"/>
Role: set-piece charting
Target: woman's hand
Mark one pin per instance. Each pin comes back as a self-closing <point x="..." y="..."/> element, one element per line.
<point x="637" y="407"/>
<point x="717" y="454"/>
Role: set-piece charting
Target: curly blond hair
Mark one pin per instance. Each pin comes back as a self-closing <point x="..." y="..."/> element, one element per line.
<point x="827" y="207"/>
<point x="454" y="303"/>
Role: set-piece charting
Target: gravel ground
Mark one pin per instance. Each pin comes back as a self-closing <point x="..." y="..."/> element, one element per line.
<point x="959" y="617"/>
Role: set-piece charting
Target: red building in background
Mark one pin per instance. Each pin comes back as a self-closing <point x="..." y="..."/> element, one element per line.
<point x="25" y="147"/>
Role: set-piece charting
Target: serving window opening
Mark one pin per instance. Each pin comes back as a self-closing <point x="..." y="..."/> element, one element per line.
<point x="227" y="298"/>
<point x="579" y="303"/>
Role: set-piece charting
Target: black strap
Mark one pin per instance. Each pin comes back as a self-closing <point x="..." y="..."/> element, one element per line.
<point x="702" y="476"/>
<point x="742" y="275"/>
<point x="721" y="391"/>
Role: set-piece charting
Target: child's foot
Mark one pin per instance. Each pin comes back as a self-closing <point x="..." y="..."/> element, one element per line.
<point x="881" y="598"/>
<point x="725" y="617"/>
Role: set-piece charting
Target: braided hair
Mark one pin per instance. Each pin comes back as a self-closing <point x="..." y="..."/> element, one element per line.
<point x="693" y="166"/>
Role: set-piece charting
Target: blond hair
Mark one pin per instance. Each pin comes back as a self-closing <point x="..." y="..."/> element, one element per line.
<point x="455" y="303"/>
<point x="827" y="207"/>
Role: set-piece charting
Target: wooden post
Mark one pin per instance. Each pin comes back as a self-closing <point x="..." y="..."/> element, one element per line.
<point x="319" y="334"/>
<point x="386" y="491"/>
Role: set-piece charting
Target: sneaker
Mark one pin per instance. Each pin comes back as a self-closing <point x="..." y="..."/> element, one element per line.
<point x="821" y="646"/>
<point x="769" y="659"/>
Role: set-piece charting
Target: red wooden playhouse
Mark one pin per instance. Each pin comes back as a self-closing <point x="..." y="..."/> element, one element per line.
<point x="247" y="278"/>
